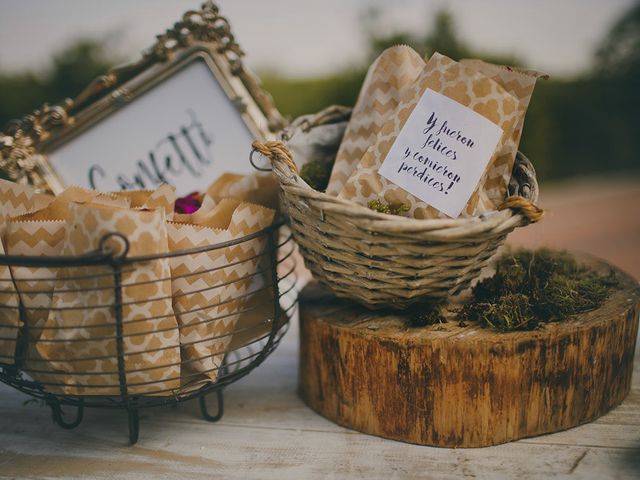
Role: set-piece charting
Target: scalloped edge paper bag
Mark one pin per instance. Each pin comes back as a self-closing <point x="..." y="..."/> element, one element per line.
<point x="519" y="83"/>
<point x="86" y="348"/>
<point x="210" y="288"/>
<point x="15" y="199"/>
<point x="394" y="70"/>
<point x="254" y="188"/>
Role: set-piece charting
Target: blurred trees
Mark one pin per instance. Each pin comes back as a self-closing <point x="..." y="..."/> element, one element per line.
<point x="573" y="127"/>
<point x="619" y="54"/>
<point x="442" y="36"/>
<point x="584" y="125"/>
<point x="591" y="124"/>
<point x="72" y="69"/>
<point x="299" y="96"/>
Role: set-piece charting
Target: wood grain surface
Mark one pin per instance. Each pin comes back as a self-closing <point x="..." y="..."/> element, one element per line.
<point x="464" y="386"/>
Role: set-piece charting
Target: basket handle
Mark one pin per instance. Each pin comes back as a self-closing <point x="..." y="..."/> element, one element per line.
<point x="273" y="150"/>
<point x="520" y="205"/>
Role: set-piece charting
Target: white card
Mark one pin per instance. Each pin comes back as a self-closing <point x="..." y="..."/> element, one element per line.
<point x="441" y="152"/>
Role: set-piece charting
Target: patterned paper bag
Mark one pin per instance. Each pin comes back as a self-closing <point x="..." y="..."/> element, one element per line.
<point x="257" y="320"/>
<point x="18" y="199"/>
<point x="15" y="199"/>
<point x="86" y="348"/>
<point x="41" y="233"/>
<point x="394" y="70"/>
<point x="210" y="288"/>
<point x="520" y="84"/>
<point x="78" y="194"/>
<point x="163" y="197"/>
<point x="9" y="315"/>
<point x="213" y="214"/>
<point x="466" y="86"/>
<point x="255" y="188"/>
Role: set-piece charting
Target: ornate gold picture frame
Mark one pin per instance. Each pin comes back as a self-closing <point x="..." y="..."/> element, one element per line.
<point x="198" y="62"/>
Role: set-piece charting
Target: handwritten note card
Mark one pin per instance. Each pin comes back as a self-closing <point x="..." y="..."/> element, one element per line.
<point x="441" y="152"/>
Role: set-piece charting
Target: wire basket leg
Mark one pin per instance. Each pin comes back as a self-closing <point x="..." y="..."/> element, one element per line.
<point x="134" y="423"/>
<point x="204" y="410"/>
<point x="219" y="397"/>
<point x="22" y="340"/>
<point x="57" y="414"/>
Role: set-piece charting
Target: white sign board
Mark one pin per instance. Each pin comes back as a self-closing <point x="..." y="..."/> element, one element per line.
<point x="184" y="131"/>
<point x="441" y="152"/>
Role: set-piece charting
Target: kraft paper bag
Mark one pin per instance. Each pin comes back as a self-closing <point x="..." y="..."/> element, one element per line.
<point x="256" y="323"/>
<point x="394" y="70"/>
<point x="519" y="83"/>
<point x="10" y="323"/>
<point x="15" y="199"/>
<point x="84" y="195"/>
<point x="18" y="199"/>
<point x="212" y="214"/>
<point x="210" y="288"/>
<point x="163" y="197"/>
<point x="466" y="86"/>
<point x="255" y="188"/>
<point x="41" y="232"/>
<point x="85" y="350"/>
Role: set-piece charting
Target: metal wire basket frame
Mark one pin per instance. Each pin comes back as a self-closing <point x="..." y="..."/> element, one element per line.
<point x="276" y="293"/>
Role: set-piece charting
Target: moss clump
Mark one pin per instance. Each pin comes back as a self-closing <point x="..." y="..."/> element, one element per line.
<point x="391" y="209"/>
<point x="426" y="315"/>
<point x="316" y="173"/>
<point x="511" y="311"/>
<point x="533" y="287"/>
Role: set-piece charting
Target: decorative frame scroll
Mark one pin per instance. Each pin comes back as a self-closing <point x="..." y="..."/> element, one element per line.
<point x="203" y="34"/>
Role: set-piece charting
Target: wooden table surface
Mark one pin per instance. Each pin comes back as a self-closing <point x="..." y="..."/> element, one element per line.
<point x="267" y="432"/>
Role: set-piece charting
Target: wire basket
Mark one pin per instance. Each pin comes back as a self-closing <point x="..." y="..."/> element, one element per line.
<point x="255" y="319"/>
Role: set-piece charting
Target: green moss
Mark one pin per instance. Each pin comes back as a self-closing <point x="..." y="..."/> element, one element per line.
<point x="316" y="173"/>
<point x="562" y="296"/>
<point x="534" y="287"/>
<point x="391" y="209"/>
<point x="426" y="315"/>
<point x="510" y="311"/>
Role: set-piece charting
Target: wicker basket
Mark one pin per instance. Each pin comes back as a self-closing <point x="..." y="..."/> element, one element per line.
<point x="385" y="260"/>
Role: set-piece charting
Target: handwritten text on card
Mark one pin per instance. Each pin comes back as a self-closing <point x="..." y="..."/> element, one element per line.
<point x="441" y="152"/>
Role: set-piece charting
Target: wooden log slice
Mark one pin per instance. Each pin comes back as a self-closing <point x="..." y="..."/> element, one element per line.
<point x="452" y="386"/>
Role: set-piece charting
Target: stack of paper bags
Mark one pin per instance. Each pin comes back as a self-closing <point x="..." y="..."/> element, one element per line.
<point x="393" y="87"/>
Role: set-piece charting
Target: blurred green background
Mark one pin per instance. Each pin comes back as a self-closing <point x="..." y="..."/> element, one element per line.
<point x="586" y="124"/>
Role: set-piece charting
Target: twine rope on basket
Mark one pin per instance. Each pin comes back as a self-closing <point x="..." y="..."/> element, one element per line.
<point x="519" y="205"/>
<point x="273" y="150"/>
<point x="524" y="207"/>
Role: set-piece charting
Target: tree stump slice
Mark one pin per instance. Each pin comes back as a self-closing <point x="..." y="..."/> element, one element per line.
<point x="452" y="386"/>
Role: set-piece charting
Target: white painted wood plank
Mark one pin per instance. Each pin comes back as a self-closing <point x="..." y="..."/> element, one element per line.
<point x="233" y="452"/>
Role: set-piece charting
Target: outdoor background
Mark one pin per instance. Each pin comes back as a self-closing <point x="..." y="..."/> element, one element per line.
<point x="582" y="130"/>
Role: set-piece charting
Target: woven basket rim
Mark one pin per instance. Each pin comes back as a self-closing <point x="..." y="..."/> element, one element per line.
<point x="383" y="222"/>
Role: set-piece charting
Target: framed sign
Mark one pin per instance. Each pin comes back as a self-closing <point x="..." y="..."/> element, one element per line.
<point x="183" y="114"/>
